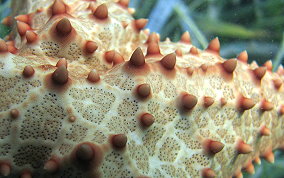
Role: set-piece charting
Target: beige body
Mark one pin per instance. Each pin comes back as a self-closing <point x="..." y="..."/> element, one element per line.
<point x="54" y="119"/>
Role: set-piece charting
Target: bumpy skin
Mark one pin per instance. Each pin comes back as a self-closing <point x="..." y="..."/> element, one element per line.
<point x="185" y="115"/>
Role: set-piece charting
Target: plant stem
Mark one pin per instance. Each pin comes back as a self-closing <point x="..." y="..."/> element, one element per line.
<point x="185" y="17"/>
<point x="280" y="54"/>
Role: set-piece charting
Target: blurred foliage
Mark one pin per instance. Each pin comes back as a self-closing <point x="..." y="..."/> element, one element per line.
<point x="253" y="25"/>
<point x="268" y="170"/>
<point x="4" y="12"/>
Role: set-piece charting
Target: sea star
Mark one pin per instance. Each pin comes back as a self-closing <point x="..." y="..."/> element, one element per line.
<point x="86" y="92"/>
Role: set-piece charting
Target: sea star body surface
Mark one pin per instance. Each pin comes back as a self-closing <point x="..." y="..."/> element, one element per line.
<point x="86" y="92"/>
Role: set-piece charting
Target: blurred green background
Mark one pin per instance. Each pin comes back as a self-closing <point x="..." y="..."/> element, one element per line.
<point x="253" y="25"/>
<point x="4" y="12"/>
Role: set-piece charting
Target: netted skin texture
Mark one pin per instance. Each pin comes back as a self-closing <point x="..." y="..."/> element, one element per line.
<point x="86" y="92"/>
